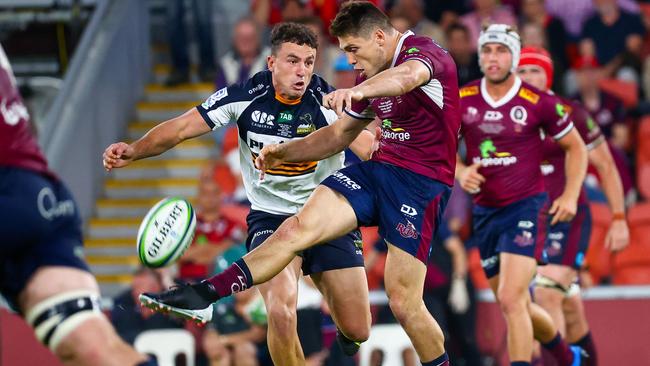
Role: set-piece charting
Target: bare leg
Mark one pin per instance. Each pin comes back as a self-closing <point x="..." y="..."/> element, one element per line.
<point x="280" y="296"/>
<point x="104" y="347"/>
<point x="576" y="320"/>
<point x="551" y="299"/>
<point x="511" y="290"/>
<point x="346" y="293"/>
<point x="404" y="281"/>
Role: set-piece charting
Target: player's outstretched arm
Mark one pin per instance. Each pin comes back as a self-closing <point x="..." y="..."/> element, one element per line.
<point x="618" y="236"/>
<point x="575" y="166"/>
<point x="394" y="81"/>
<point x="318" y="145"/>
<point x="158" y="140"/>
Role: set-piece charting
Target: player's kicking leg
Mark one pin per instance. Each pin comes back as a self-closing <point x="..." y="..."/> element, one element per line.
<point x="325" y="216"/>
<point x="81" y="334"/>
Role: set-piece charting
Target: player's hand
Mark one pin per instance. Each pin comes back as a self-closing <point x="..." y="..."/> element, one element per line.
<point x="470" y="180"/>
<point x="341" y="99"/>
<point x="563" y="209"/>
<point x="269" y="157"/>
<point x="458" y="296"/>
<point x="117" y="155"/>
<point x="618" y="236"/>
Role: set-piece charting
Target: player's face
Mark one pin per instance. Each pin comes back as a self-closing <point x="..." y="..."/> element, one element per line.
<point x="366" y="54"/>
<point x="533" y="75"/>
<point x="495" y="60"/>
<point x="292" y="68"/>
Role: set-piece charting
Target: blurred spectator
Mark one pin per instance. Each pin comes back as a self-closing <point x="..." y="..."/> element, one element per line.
<point x="237" y="335"/>
<point x="247" y="56"/>
<point x="606" y="109"/>
<point x="486" y="12"/>
<point x="608" y="112"/>
<point x="179" y="43"/>
<point x="129" y="318"/>
<point x="271" y="12"/>
<point x="555" y="37"/>
<point x="413" y="12"/>
<point x="463" y="53"/>
<point x="327" y="52"/>
<point x="573" y="13"/>
<point x="614" y="37"/>
<point x="532" y="34"/>
<point x="213" y="234"/>
<point x="444" y="12"/>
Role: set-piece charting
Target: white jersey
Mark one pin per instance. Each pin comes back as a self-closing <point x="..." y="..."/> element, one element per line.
<point x="262" y="119"/>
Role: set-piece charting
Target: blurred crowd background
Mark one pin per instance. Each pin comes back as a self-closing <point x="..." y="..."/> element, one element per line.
<point x="600" y="50"/>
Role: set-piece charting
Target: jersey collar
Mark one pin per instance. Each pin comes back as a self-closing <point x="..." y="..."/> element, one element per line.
<point x="505" y="99"/>
<point x="399" y="45"/>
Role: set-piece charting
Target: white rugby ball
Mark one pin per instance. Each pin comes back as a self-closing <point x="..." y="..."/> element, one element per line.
<point x="166" y="232"/>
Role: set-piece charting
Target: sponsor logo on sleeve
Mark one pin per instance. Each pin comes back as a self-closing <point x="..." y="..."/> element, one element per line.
<point x="529" y="95"/>
<point x="468" y="91"/>
<point x="217" y="96"/>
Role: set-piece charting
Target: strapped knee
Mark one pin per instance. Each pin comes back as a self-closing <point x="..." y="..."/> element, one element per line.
<point x="54" y="318"/>
<point x="547" y="282"/>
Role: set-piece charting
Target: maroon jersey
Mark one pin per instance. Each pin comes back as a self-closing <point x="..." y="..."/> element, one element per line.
<point x="554" y="155"/>
<point x="18" y="146"/>
<point x="419" y="128"/>
<point x="504" y="137"/>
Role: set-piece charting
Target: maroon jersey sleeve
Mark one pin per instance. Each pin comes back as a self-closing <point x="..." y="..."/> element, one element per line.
<point x="361" y="109"/>
<point x="586" y="125"/>
<point x="554" y="117"/>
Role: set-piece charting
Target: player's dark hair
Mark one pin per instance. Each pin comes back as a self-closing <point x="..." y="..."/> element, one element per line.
<point x="292" y="33"/>
<point x="359" y="18"/>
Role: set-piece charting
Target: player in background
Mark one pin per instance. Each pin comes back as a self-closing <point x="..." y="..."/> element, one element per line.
<point x="501" y="122"/>
<point x="410" y="84"/>
<point x="42" y="271"/>
<point x="556" y="288"/>
<point x="278" y="105"/>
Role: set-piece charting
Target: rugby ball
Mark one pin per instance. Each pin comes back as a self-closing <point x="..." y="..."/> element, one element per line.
<point x="166" y="232"/>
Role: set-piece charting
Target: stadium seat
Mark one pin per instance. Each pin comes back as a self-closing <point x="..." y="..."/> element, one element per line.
<point x="632" y="265"/>
<point x="625" y="90"/>
<point x="166" y="345"/>
<point x="391" y="339"/>
<point x="598" y="258"/>
<point x="643" y="142"/>
<point x="475" y="270"/>
<point x="643" y="179"/>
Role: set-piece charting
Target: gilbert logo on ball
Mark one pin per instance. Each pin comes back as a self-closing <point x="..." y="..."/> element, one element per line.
<point x="166" y="232"/>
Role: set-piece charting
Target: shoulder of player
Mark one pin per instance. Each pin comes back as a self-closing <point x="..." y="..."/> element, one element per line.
<point x="252" y="88"/>
<point x="470" y="89"/>
<point x="534" y="98"/>
<point x="318" y="87"/>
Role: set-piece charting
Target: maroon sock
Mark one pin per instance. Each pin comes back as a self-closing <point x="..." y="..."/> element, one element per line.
<point x="587" y="344"/>
<point x="233" y="279"/>
<point x="560" y="350"/>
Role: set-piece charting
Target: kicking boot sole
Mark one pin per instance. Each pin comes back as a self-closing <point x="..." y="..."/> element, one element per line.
<point x="200" y="317"/>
